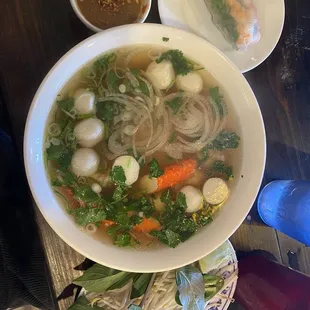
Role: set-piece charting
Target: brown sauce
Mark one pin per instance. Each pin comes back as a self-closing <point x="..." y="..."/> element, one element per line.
<point x="110" y="13"/>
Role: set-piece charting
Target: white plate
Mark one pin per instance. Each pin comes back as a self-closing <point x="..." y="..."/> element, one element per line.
<point x="193" y="16"/>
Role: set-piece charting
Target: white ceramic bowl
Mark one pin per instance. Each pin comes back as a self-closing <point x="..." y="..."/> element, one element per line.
<point x="141" y="18"/>
<point x="251" y="167"/>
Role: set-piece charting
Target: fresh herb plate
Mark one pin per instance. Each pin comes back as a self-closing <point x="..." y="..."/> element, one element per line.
<point x="120" y="298"/>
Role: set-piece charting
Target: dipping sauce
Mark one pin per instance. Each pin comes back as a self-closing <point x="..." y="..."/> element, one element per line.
<point x="110" y="13"/>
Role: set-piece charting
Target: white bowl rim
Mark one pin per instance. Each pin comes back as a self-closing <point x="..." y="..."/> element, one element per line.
<point x="94" y="28"/>
<point x="222" y="236"/>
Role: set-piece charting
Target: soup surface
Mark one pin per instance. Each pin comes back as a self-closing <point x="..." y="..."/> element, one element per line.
<point x="106" y="13"/>
<point x="141" y="147"/>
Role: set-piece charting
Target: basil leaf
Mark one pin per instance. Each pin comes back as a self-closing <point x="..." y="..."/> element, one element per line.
<point x="140" y="285"/>
<point x="155" y="170"/>
<point x="191" y="288"/>
<point x="99" y="279"/>
<point x="84" y="216"/>
<point x="82" y="303"/>
<point x="118" y="175"/>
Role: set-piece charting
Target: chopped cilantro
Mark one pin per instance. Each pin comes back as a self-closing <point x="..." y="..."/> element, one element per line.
<point x="66" y="104"/>
<point x="61" y="154"/>
<point x="113" y="81"/>
<point x="168" y="237"/>
<point x="225" y="140"/>
<point x="85" y="194"/>
<point x="84" y="215"/>
<point x="181" y="64"/>
<point x="119" y="194"/>
<point x="106" y="110"/>
<point x="155" y="170"/>
<point x="174" y="104"/>
<point x="165" y="39"/>
<point x="220" y="167"/>
<point x="166" y="196"/>
<point x="218" y="99"/>
<point x="181" y="201"/>
<point x="122" y="240"/>
<point x="118" y="175"/>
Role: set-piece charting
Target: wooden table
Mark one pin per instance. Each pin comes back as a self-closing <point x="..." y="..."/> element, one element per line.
<point x="34" y="34"/>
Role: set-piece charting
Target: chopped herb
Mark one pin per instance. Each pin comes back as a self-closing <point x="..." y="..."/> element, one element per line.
<point x="181" y="64"/>
<point x="60" y="154"/>
<point x="168" y="237"/>
<point x="218" y="99"/>
<point x="84" y="216"/>
<point x="118" y="175"/>
<point x="119" y="194"/>
<point x="173" y="137"/>
<point x="122" y="240"/>
<point x="155" y="170"/>
<point x="181" y="201"/>
<point x="66" y="104"/>
<point x="85" y="194"/>
<point x="144" y="89"/>
<point x="225" y="140"/>
<point x="113" y="81"/>
<point x="101" y="65"/>
<point x="165" y="39"/>
<point x="166" y="196"/>
<point x="220" y="167"/>
<point x="135" y="219"/>
<point x="174" y="104"/>
<point x="106" y="110"/>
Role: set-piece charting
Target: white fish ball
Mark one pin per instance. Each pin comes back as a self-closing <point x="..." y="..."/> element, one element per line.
<point x="85" y="162"/>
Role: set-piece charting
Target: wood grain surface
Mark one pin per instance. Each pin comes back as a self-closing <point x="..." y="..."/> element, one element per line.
<point x="34" y="34"/>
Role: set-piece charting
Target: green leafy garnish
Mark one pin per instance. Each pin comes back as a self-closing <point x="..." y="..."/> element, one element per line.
<point x="167" y="237"/>
<point x="118" y="175"/>
<point x="101" y="65"/>
<point x="155" y="170"/>
<point x="166" y="196"/>
<point x="119" y="193"/>
<point x="203" y="155"/>
<point x="165" y="39"/>
<point x="61" y="154"/>
<point x="66" y="104"/>
<point x="218" y="100"/>
<point x="142" y="85"/>
<point x="191" y="288"/>
<point x="99" y="279"/>
<point x="174" y="104"/>
<point x="122" y="240"/>
<point x="220" y="167"/>
<point x="140" y="285"/>
<point x="86" y="194"/>
<point x="85" y="215"/>
<point x="181" y="64"/>
<point x="106" y="110"/>
<point x="225" y="140"/>
<point x="113" y="81"/>
<point x="82" y="303"/>
<point x="181" y="201"/>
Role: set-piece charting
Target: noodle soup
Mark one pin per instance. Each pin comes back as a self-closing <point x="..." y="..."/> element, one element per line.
<point x="141" y="147"/>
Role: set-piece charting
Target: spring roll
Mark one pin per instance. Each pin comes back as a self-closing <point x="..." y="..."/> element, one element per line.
<point x="237" y="20"/>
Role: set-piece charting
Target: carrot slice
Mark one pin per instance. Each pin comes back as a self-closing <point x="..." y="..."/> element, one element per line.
<point x="147" y="225"/>
<point x="107" y="223"/>
<point x="176" y="173"/>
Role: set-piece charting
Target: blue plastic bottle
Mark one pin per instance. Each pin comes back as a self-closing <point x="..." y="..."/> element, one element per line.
<point x="285" y="206"/>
